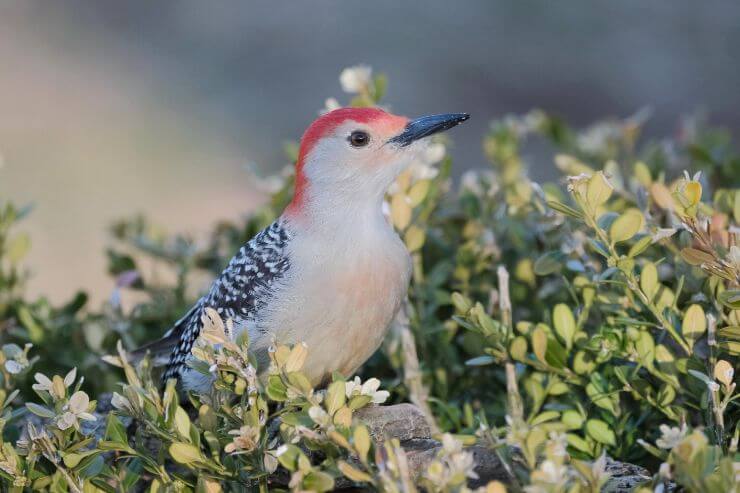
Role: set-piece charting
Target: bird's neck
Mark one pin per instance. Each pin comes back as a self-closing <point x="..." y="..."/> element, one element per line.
<point x="337" y="213"/>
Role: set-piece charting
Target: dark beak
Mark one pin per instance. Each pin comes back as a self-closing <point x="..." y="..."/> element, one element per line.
<point x="426" y="126"/>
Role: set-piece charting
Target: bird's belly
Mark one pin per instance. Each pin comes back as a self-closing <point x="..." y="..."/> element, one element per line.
<point x="342" y="314"/>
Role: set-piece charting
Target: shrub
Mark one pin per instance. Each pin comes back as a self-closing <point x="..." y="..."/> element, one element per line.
<point x="553" y="324"/>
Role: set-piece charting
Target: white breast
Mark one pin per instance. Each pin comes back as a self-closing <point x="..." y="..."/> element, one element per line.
<point x="343" y="288"/>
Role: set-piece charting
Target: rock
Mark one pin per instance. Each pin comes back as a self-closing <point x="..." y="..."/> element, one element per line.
<point x="624" y="476"/>
<point x="407" y="423"/>
<point x="402" y="421"/>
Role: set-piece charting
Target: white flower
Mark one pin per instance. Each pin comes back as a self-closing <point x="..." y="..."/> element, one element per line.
<point x="42" y="383"/>
<point x="450" y="444"/>
<point x="550" y="472"/>
<point x="422" y="171"/>
<point x="330" y="104"/>
<point x="665" y="470"/>
<point x="76" y="408"/>
<point x="70" y="377"/>
<point x="319" y="416"/>
<point x="470" y="181"/>
<point x="245" y="439"/>
<point x="434" y="152"/>
<point x="671" y="436"/>
<point x="559" y="444"/>
<point x="355" y="79"/>
<point x="369" y="388"/>
<point x="13" y="367"/>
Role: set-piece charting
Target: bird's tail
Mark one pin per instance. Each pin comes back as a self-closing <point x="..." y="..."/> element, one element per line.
<point x="162" y="349"/>
<point x="159" y="350"/>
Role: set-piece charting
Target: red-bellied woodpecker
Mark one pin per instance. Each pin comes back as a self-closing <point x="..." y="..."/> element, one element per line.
<point x="330" y="271"/>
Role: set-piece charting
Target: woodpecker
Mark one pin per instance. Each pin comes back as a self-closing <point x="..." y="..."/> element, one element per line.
<point x="330" y="272"/>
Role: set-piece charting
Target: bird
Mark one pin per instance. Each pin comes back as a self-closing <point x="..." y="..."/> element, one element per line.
<point x="330" y="272"/>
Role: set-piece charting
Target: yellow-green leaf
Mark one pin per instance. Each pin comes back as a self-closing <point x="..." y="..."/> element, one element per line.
<point x="415" y="237"/>
<point x="418" y="192"/>
<point x="599" y="190"/>
<point x="296" y="358"/>
<point x="694" y="324"/>
<point x="182" y="422"/>
<point x="626" y="226"/>
<point x="600" y="431"/>
<point x="518" y="348"/>
<point x="539" y="343"/>
<point x="352" y="473"/>
<point x="565" y="323"/>
<point x="361" y="438"/>
<point x="649" y="280"/>
<point x="18" y="247"/>
<point x="400" y="211"/>
<point x="185" y="453"/>
<point x="642" y="174"/>
<point x="335" y="397"/>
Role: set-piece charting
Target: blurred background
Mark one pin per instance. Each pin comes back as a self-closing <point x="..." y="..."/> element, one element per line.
<point x="111" y="108"/>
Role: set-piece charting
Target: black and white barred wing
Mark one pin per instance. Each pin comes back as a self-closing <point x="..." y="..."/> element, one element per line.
<point x="239" y="293"/>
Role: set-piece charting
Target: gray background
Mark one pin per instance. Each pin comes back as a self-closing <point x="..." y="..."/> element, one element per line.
<point x="108" y="108"/>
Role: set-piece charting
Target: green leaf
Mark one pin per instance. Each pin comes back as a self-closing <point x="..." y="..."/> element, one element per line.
<point x="18" y="247"/>
<point x="361" y="439"/>
<point x="649" y="280"/>
<point x="518" y="348"/>
<point x="572" y="419"/>
<point x="185" y="453"/>
<point x="481" y="361"/>
<point x="40" y="410"/>
<point x="600" y="431"/>
<point x="318" y="481"/>
<point x="645" y="346"/>
<point x="565" y="323"/>
<point x="549" y="263"/>
<point x="276" y="390"/>
<point x="640" y="246"/>
<point x="578" y="443"/>
<point x="564" y="209"/>
<point x="731" y="297"/>
<point x="694" y="324"/>
<point x="335" y="396"/>
<point x="598" y="190"/>
<point x="539" y="344"/>
<point x="288" y="456"/>
<point x="626" y="226"/>
<point x="114" y="430"/>
<point x="182" y="422"/>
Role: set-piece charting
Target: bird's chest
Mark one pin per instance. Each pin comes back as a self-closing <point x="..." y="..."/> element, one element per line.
<point x="340" y="301"/>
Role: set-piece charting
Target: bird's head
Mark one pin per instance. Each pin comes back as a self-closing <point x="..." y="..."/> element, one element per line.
<point x="354" y="154"/>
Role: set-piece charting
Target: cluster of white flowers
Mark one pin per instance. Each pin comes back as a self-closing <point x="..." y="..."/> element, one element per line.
<point x="670" y="436"/>
<point x="452" y="465"/>
<point x="369" y="388"/>
<point x="245" y="440"/>
<point x="356" y="79"/>
<point x="75" y="408"/>
<point x="16" y="359"/>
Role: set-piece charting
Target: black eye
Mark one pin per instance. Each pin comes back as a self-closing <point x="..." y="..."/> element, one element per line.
<point x="358" y="138"/>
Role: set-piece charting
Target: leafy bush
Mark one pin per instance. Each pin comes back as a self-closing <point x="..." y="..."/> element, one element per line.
<point x="553" y="324"/>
